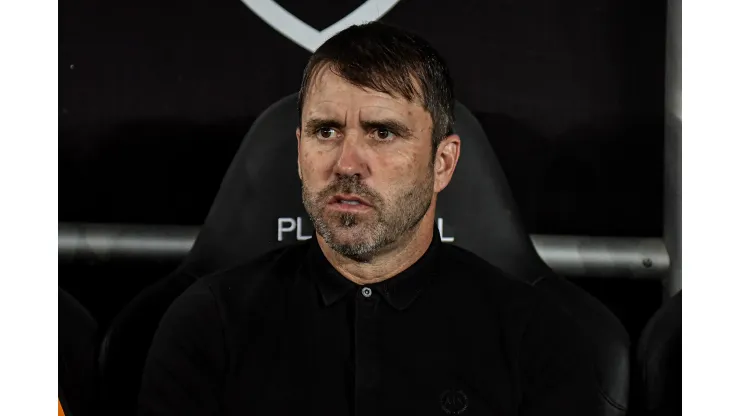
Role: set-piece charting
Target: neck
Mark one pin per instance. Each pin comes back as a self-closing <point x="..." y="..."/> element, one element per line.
<point x="388" y="263"/>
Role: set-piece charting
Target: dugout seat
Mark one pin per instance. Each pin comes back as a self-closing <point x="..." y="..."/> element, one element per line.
<point x="77" y="349"/>
<point x="658" y="364"/>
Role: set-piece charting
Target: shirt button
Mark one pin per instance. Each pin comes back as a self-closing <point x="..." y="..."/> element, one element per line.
<point x="367" y="292"/>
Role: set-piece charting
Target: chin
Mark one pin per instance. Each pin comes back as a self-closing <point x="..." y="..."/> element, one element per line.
<point x="357" y="250"/>
<point x="355" y="235"/>
<point x="359" y="232"/>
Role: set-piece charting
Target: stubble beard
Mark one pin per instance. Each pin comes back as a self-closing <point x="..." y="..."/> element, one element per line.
<point x="362" y="236"/>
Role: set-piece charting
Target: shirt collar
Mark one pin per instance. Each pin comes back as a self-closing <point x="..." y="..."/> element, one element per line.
<point x="399" y="291"/>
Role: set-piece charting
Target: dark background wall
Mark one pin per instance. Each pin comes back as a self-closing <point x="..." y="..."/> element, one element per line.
<point x="155" y="96"/>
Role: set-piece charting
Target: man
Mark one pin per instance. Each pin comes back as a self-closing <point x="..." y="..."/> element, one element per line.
<point x="373" y="316"/>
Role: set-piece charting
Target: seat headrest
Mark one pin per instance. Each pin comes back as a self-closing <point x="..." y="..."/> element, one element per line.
<point x="258" y="207"/>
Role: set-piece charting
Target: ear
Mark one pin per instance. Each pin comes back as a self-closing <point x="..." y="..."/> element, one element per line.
<point x="298" y="138"/>
<point x="445" y="161"/>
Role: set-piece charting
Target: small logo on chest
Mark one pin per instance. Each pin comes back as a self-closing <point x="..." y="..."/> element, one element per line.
<point x="454" y="402"/>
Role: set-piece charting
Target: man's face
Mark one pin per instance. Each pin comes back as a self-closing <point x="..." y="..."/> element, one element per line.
<point x="366" y="164"/>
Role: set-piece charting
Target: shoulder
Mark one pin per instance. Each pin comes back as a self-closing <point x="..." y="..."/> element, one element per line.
<point x="205" y="308"/>
<point x="471" y="269"/>
<point x="280" y="260"/>
<point x="510" y="297"/>
<point x="254" y="280"/>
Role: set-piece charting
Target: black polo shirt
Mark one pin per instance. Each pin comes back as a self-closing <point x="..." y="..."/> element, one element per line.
<point x="288" y="335"/>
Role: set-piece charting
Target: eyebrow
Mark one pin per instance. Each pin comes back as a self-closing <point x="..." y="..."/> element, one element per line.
<point x="315" y="123"/>
<point x="394" y="126"/>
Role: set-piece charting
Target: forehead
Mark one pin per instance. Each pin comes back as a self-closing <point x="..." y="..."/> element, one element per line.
<point x="330" y="95"/>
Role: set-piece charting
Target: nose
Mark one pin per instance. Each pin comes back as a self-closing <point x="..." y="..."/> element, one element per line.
<point x="351" y="160"/>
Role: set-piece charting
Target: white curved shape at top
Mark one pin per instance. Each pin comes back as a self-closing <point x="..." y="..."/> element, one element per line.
<point x="303" y="34"/>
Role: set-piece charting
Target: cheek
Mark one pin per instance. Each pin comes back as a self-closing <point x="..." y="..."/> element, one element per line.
<point x="400" y="170"/>
<point x="412" y="164"/>
<point x="314" y="164"/>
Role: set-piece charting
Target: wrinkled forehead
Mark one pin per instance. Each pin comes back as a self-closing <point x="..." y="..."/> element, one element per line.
<point x="330" y="95"/>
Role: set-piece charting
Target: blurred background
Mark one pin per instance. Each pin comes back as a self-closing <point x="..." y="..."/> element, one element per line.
<point x="155" y="97"/>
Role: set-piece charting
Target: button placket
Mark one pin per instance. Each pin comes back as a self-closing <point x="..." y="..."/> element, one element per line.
<point x="367" y="360"/>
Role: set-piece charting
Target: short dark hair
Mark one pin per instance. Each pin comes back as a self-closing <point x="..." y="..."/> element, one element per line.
<point x="387" y="59"/>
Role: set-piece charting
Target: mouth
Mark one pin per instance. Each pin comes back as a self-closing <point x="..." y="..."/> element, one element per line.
<point x="349" y="203"/>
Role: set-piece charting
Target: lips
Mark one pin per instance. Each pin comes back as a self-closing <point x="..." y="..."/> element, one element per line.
<point x="352" y="200"/>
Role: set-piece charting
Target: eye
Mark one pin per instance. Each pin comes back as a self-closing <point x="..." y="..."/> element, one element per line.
<point x="326" y="133"/>
<point x="384" y="134"/>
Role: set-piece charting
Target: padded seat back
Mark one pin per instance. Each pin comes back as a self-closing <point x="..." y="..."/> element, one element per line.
<point x="658" y="374"/>
<point x="77" y="351"/>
